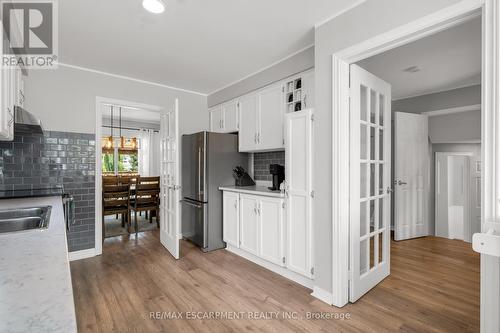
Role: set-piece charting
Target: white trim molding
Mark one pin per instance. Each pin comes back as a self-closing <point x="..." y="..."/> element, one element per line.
<point x="322" y="295"/>
<point x="420" y="28"/>
<point x="99" y="103"/>
<point x="82" y="254"/>
<point x="442" y="112"/>
<point x="124" y="77"/>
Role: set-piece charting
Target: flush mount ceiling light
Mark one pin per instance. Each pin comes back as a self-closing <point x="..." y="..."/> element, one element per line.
<point x="154" y="6"/>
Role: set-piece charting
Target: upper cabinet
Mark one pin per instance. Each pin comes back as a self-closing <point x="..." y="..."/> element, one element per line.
<point x="259" y="116"/>
<point x="224" y="118"/>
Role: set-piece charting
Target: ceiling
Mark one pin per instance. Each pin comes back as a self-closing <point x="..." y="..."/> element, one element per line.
<point x="447" y="60"/>
<point x="197" y="45"/>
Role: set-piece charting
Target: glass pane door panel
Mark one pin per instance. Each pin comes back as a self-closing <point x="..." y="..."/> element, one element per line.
<point x="364" y="103"/>
<point x="363" y="218"/>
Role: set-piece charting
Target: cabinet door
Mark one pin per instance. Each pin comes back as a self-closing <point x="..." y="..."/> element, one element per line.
<point x="271" y="230"/>
<point x="308" y="88"/>
<point x="230" y="116"/>
<point x="248" y="123"/>
<point x="298" y="177"/>
<point x="249" y="224"/>
<point x="271" y="111"/>
<point x="216" y="119"/>
<point x="231" y="218"/>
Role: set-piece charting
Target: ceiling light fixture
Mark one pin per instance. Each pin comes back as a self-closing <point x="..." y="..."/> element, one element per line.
<point x="154" y="6"/>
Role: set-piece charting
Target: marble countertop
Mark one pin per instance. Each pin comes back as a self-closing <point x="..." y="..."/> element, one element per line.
<point x="256" y="189"/>
<point x="36" y="294"/>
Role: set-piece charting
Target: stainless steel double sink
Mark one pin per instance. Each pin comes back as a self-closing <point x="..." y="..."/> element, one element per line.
<point x="24" y="219"/>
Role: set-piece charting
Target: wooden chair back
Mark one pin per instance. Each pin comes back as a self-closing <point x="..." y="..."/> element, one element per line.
<point x="109" y="180"/>
<point x="147" y="196"/>
<point x="115" y="198"/>
<point x="148" y="180"/>
<point x="127" y="180"/>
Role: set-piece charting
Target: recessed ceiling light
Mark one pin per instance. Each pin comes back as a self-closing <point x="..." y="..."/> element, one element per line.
<point x="412" y="69"/>
<point x="154" y="6"/>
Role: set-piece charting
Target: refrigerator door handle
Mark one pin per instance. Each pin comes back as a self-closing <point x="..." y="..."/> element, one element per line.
<point x="199" y="171"/>
<point x="189" y="203"/>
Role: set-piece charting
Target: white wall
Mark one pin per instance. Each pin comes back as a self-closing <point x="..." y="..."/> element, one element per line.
<point x="64" y="99"/>
<point x="456" y="127"/>
<point x="369" y="19"/>
<point x="295" y="64"/>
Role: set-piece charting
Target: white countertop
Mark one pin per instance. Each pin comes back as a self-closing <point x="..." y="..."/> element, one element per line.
<point x="35" y="282"/>
<point x="256" y="190"/>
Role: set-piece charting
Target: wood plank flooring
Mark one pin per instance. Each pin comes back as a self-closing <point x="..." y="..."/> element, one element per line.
<point x="433" y="287"/>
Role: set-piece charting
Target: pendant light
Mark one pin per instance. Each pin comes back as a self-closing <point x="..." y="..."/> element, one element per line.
<point x="110" y="141"/>
<point x="122" y="139"/>
<point x="154" y="6"/>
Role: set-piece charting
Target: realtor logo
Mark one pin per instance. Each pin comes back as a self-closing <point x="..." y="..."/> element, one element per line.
<point x="30" y="33"/>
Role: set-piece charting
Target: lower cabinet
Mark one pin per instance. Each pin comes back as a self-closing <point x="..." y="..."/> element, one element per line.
<point x="260" y="224"/>
<point x="271" y="230"/>
<point x="249" y="223"/>
<point x="230" y="216"/>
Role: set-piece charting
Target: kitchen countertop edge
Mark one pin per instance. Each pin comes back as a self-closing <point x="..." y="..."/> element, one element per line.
<point x="256" y="190"/>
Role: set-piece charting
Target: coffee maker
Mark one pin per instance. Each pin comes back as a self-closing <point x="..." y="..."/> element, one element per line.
<point x="278" y="173"/>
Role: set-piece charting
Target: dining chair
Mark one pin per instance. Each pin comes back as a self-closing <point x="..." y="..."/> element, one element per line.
<point x="147" y="198"/>
<point x="116" y="200"/>
<point x="148" y="180"/>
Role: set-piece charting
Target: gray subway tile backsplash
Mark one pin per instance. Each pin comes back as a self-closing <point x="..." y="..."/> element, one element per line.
<point x="261" y="162"/>
<point x="34" y="161"/>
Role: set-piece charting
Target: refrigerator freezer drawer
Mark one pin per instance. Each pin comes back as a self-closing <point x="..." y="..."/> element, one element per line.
<point x="195" y="222"/>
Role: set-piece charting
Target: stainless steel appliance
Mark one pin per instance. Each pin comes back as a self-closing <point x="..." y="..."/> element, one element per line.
<point x="208" y="160"/>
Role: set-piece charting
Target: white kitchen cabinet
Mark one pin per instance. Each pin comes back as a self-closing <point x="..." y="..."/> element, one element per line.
<point x="308" y="90"/>
<point x="224" y="117"/>
<point x="215" y="115"/>
<point x="271" y="112"/>
<point x="249" y="122"/>
<point x="231" y="218"/>
<point x="271" y="238"/>
<point x="8" y="100"/>
<point x="298" y="186"/>
<point x="249" y="223"/>
<point x="230" y="116"/>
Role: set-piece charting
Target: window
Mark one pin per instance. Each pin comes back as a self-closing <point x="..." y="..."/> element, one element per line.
<point x="119" y="160"/>
<point x="128" y="161"/>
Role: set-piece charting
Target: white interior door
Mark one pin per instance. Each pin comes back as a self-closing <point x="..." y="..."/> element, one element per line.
<point x="370" y="157"/>
<point x="170" y="189"/>
<point x="411" y="175"/>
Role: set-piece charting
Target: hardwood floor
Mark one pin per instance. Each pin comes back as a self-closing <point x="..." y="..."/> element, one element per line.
<point x="433" y="287"/>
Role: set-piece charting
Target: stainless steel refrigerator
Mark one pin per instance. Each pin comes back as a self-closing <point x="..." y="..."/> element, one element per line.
<point x="207" y="163"/>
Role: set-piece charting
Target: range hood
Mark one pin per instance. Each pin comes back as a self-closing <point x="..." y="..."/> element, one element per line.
<point x="24" y="121"/>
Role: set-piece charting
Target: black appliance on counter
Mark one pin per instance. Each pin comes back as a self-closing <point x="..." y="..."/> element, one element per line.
<point x="278" y="173"/>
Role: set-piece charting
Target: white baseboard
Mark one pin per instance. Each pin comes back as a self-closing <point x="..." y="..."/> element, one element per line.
<point x="322" y="295"/>
<point x="295" y="277"/>
<point x="82" y="254"/>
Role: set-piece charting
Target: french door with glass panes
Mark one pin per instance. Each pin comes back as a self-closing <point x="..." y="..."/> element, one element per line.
<point x="370" y="184"/>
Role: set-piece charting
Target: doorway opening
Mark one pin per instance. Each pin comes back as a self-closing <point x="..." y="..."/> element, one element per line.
<point x="401" y="179"/>
<point x="137" y="171"/>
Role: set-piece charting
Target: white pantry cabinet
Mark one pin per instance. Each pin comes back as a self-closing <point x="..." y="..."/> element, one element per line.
<point x="224" y="117"/>
<point x="249" y="223"/>
<point x="298" y="187"/>
<point x="231" y="218"/>
<point x="12" y="94"/>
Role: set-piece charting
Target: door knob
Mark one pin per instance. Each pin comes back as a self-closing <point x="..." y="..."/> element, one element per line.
<point x="400" y="182"/>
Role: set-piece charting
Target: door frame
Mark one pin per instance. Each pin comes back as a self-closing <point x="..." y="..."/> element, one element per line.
<point x="99" y="103"/>
<point x="468" y="217"/>
<point x="430" y="24"/>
